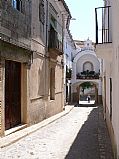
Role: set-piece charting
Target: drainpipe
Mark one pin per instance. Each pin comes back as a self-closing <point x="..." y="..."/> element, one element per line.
<point x="63" y="102"/>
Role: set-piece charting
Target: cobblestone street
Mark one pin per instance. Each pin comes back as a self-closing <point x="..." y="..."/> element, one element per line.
<point x="81" y="134"/>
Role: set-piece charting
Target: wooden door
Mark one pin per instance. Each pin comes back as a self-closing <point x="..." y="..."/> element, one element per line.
<point x="12" y="94"/>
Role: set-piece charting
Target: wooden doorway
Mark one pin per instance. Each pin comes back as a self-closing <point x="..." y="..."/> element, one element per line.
<point x="12" y="94"/>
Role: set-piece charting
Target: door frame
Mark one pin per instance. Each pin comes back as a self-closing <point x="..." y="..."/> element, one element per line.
<point x="25" y="96"/>
<point x="12" y="85"/>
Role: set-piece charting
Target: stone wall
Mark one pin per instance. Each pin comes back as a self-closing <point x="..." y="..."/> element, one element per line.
<point x="15" y="25"/>
<point x="41" y="106"/>
<point x="18" y="38"/>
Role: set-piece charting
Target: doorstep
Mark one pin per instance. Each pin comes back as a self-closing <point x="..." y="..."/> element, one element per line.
<point x="16" y="128"/>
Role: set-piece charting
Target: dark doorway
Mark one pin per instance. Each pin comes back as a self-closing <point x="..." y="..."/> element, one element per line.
<point x="12" y="94"/>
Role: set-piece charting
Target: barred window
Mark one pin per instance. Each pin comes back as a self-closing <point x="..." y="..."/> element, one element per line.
<point x="17" y="4"/>
<point x="41" y="12"/>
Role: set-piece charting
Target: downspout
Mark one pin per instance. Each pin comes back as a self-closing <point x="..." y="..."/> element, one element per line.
<point x="63" y="100"/>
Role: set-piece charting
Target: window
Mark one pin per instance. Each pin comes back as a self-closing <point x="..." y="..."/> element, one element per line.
<point x="17" y="4"/>
<point x="52" y="83"/>
<point x="41" y="12"/>
<point x="53" y="21"/>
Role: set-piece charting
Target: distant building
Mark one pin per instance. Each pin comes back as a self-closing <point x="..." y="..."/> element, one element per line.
<point x="86" y="68"/>
<point x="69" y="50"/>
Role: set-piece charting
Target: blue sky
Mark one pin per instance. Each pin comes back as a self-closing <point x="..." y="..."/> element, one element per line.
<point x="84" y="12"/>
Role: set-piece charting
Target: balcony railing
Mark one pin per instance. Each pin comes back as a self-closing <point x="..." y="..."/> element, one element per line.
<point x="103" y="25"/>
<point x="55" y="41"/>
<point x="88" y="75"/>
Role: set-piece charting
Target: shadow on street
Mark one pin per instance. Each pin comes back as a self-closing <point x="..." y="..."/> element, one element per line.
<point x="85" y="145"/>
<point x="88" y="144"/>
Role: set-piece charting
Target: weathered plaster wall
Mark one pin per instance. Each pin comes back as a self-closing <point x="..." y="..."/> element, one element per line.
<point x="15" y="26"/>
<point x="111" y="70"/>
<point x="41" y="106"/>
<point x="115" y="40"/>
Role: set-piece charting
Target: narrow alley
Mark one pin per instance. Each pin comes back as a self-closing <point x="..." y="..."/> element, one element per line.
<point x="80" y="134"/>
<point x="54" y="53"/>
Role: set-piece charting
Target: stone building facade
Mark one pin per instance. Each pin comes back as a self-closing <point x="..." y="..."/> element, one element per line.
<point x="31" y="61"/>
<point x="15" y="58"/>
<point x="69" y="50"/>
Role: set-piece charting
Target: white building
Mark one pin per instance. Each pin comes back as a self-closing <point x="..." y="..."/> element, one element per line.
<point x="86" y="68"/>
<point x="69" y="50"/>
<point x="107" y="48"/>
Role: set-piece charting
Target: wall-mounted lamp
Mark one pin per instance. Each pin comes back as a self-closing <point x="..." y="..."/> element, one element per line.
<point x="73" y="19"/>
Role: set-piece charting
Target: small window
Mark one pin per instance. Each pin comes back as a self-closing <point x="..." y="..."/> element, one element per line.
<point x="17" y="4"/>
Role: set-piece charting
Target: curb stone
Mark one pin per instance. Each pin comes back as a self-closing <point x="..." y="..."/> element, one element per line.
<point x="14" y="137"/>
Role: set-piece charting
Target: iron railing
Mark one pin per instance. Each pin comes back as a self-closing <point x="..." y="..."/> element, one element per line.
<point x="88" y="75"/>
<point x="103" y="25"/>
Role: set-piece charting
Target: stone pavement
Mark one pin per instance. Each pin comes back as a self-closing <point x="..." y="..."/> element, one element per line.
<point x="103" y="138"/>
<point x="81" y="134"/>
<point x="10" y="139"/>
<point x="92" y="141"/>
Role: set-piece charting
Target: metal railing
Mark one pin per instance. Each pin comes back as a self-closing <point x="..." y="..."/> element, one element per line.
<point x="88" y="75"/>
<point x="103" y="25"/>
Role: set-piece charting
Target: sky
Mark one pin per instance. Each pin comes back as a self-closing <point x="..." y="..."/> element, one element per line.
<point x="84" y="13"/>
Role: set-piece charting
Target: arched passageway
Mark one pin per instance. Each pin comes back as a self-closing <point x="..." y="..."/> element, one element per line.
<point x="82" y="89"/>
<point x="88" y="89"/>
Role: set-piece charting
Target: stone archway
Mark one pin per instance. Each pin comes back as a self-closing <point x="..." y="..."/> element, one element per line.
<point x="76" y="94"/>
<point x="91" y="90"/>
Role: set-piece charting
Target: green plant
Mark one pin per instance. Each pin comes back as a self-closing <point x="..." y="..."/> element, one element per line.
<point x="86" y="85"/>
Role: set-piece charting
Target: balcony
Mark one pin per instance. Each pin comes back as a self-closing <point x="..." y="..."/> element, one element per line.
<point x="88" y="75"/>
<point x="103" y="32"/>
<point x="55" y="44"/>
